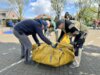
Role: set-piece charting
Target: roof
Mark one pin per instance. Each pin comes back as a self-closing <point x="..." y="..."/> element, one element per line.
<point x="44" y="16"/>
<point x="9" y="14"/>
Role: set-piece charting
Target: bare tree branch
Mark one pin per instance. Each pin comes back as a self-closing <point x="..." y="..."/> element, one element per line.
<point x="18" y="7"/>
<point x="58" y="6"/>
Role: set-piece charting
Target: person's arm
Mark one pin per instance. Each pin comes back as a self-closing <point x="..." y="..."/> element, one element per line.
<point x="61" y="35"/>
<point x="59" y="39"/>
<point x="41" y="35"/>
<point x="36" y="39"/>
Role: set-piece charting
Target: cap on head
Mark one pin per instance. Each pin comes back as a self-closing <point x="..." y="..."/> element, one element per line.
<point x="59" y="22"/>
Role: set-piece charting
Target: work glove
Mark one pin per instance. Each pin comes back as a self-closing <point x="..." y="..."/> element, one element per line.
<point x="39" y="44"/>
<point x="54" y="45"/>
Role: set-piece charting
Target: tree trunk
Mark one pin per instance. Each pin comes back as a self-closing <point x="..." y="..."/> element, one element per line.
<point x="58" y="16"/>
<point x="98" y="14"/>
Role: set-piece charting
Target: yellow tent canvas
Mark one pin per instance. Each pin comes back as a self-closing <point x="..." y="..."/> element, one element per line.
<point x="45" y="54"/>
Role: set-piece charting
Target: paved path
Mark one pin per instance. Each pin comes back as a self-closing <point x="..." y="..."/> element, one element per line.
<point x="11" y="64"/>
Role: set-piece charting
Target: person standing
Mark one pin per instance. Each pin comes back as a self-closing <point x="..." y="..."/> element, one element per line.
<point x="79" y="32"/>
<point x="30" y="27"/>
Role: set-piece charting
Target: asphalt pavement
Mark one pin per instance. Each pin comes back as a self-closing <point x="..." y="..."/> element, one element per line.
<point x="11" y="64"/>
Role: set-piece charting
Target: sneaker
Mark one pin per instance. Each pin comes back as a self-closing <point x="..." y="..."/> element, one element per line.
<point x="31" y="62"/>
<point x="75" y="64"/>
<point x="22" y="57"/>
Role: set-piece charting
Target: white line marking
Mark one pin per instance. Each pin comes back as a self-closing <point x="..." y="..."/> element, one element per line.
<point x="88" y="47"/>
<point x="12" y="65"/>
<point x="5" y="53"/>
<point x="11" y="49"/>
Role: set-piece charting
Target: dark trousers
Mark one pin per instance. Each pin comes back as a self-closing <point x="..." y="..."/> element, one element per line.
<point x="79" y="41"/>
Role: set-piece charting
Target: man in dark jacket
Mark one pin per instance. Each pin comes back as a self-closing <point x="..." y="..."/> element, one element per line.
<point x="30" y="27"/>
<point x="72" y="29"/>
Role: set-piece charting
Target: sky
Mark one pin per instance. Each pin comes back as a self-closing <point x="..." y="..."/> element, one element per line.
<point x="37" y="7"/>
<point x="4" y="4"/>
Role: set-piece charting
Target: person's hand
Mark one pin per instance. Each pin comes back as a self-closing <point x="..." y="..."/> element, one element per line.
<point x="54" y="45"/>
<point x="39" y="44"/>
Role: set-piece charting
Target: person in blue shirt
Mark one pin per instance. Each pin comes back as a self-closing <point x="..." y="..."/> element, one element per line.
<point x="30" y="27"/>
<point x="10" y="23"/>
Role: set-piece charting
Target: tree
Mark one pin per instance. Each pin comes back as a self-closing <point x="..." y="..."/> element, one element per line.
<point x="89" y="15"/>
<point x="98" y="13"/>
<point x="97" y="6"/>
<point x="82" y="6"/>
<point x="17" y="6"/>
<point x="57" y="6"/>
